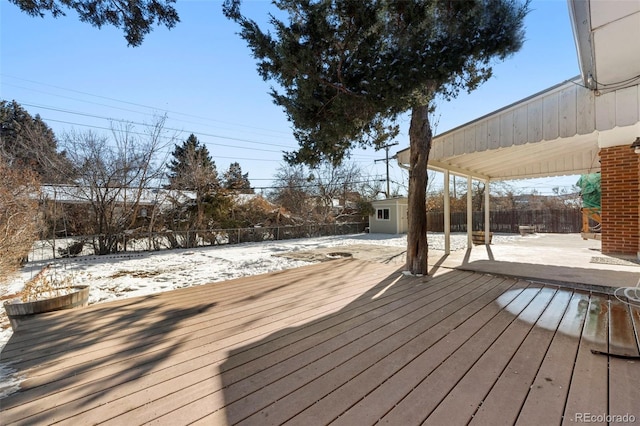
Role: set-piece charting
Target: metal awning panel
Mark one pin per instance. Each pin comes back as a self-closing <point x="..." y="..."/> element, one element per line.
<point x="553" y="133"/>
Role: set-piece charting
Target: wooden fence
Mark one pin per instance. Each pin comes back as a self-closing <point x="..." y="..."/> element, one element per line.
<point x="508" y="221"/>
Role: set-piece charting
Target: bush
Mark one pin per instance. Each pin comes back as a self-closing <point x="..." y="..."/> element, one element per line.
<point x="19" y="190"/>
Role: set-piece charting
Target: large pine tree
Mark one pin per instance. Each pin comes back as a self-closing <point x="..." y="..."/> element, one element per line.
<point x="135" y="17"/>
<point x="235" y="180"/>
<point x="28" y="142"/>
<point x="192" y="167"/>
<point x="344" y="71"/>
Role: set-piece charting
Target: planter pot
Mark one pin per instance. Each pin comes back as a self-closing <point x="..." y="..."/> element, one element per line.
<point x="525" y="229"/>
<point x="478" y="237"/>
<point x="18" y="312"/>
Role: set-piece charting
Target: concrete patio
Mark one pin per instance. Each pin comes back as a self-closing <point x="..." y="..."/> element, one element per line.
<point x="560" y="258"/>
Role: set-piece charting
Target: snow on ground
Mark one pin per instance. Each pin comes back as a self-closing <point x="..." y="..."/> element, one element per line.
<point x="131" y="274"/>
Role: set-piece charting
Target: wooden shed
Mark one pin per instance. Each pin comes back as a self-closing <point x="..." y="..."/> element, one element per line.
<point x="389" y="217"/>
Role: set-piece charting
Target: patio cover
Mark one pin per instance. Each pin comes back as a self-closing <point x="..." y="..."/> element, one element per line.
<point x="555" y="132"/>
<point x="558" y="131"/>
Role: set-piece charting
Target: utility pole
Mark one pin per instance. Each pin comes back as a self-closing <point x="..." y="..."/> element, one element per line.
<point x="386" y="160"/>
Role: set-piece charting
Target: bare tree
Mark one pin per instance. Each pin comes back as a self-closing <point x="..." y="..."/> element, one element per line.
<point x="334" y="183"/>
<point x="19" y="190"/>
<point x="292" y="190"/>
<point x="113" y="176"/>
<point x="312" y="193"/>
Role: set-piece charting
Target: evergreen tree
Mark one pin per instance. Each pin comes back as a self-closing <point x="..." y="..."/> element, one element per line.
<point x="235" y="180"/>
<point x="135" y="17"/>
<point x="346" y="70"/>
<point x="192" y="168"/>
<point x="27" y="142"/>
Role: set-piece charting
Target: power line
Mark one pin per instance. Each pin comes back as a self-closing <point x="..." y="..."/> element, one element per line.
<point x="386" y="160"/>
<point x="146" y="107"/>
<point x="244" y="126"/>
<point x="149" y="114"/>
<point x="121" y="120"/>
<point x="138" y="104"/>
<point x="164" y="137"/>
<point x="205" y="142"/>
<point x="314" y="185"/>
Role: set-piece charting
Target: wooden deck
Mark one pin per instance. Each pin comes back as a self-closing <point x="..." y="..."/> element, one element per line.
<point x="344" y="342"/>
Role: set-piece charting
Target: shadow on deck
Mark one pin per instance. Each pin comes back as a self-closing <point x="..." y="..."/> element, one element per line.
<point x="344" y="342"/>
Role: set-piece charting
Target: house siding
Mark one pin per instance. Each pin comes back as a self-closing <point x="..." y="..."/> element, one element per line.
<point x="397" y="223"/>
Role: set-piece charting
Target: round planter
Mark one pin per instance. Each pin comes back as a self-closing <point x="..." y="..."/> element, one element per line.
<point x="478" y="237"/>
<point x="17" y="312"/>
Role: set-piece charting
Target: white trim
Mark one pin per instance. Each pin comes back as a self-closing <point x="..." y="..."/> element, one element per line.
<point x="388" y="219"/>
<point x="618" y="136"/>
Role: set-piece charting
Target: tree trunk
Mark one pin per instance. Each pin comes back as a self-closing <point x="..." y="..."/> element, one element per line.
<point x="420" y="145"/>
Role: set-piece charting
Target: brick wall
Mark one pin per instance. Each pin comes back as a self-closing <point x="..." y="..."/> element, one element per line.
<point x="620" y="200"/>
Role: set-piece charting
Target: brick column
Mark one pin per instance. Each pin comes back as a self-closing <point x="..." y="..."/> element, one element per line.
<point x="620" y="203"/>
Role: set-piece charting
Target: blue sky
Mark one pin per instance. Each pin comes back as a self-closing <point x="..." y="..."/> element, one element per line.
<point x="202" y="76"/>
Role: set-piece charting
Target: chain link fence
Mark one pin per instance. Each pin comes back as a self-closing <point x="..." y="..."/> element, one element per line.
<point x="153" y="241"/>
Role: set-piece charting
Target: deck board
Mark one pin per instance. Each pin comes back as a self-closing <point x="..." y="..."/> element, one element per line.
<point x="588" y="391"/>
<point x="624" y="374"/>
<point x="381" y="359"/>
<point x="503" y="403"/>
<point x="343" y="342"/>
<point x="548" y="394"/>
<point x="417" y="394"/>
<point x="480" y="379"/>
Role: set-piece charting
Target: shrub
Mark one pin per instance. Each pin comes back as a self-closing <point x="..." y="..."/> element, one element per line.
<point x="19" y="189"/>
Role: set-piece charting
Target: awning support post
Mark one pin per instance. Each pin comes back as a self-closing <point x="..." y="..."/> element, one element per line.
<point x="447" y="214"/>
<point x="469" y="214"/>
<point x="487" y="225"/>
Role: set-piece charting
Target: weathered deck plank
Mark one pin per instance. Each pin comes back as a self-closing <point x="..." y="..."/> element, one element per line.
<point x="139" y="357"/>
<point x="246" y="397"/>
<point x="272" y="352"/>
<point x="380" y="360"/>
<point x="338" y="404"/>
<point x="503" y="403"/>
<point x="548" y="394"/>
<point x="480" y="379"/>
<point x="624" y="374"/>
<point x="343" y="342"/>
<point x="588" y="392"/>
